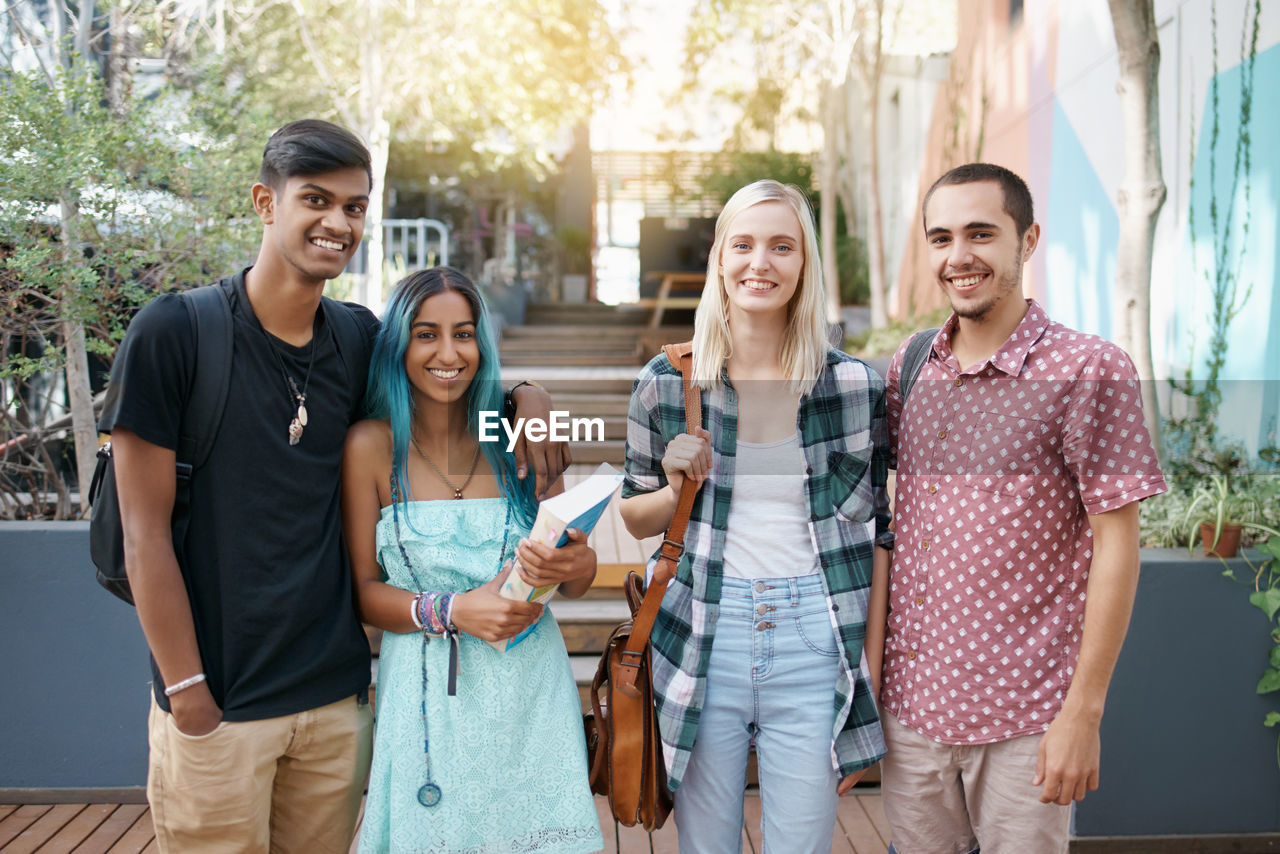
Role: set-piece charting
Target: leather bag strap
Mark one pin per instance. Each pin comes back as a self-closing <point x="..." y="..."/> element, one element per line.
<point x="681" y="357"/>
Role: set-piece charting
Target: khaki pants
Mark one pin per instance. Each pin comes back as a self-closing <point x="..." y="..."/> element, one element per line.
<point x="287" y="784"/>
<point x="949" y="799"/>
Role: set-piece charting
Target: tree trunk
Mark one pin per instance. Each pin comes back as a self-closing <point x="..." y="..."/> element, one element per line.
<point x="829" y="182"/>
<point x="1142" y="191"/>
<point x="377" y="132"/>
<point x="84" y="426"/>
<point x="873" y="72"/>
<point x="379" y="152"/>
<point x="875" y="224"/>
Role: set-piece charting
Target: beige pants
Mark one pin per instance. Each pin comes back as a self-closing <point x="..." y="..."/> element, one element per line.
<point x="287" y="784"/>
<point x="949" y="799"/>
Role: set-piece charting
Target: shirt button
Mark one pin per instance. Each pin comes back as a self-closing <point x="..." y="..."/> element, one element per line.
<point x="911" y="654"/>
<point x="933" y="487"/>
<point x="759" y="586"/>
<point x="813" y="517"/>
<point x="919" y="600"/>
<point x="761" y="609"/>
<point x="942" y="434"/>
<point x="924" y="544"/>
<point x="808" y="470"/>
<point x="959" y="381"/>
<point x="835" y="607"/>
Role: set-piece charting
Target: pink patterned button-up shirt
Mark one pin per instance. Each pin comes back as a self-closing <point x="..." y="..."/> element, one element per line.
<point x="999" y="467"/>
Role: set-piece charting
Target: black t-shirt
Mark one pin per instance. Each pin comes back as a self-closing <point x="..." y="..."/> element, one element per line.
<point x="264" y="562"/>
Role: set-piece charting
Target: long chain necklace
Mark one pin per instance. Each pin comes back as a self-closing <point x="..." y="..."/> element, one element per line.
<point x="429" y="793"/>
<point x="457" y="490"/>
<point x="296" y="398"/>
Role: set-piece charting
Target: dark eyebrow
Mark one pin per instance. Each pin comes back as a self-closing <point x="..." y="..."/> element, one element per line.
<point x="316" y="188"/>
<point x="972" y="226"/>
<point x="434" y="325"/>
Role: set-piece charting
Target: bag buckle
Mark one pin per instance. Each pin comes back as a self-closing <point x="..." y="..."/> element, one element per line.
<point x="677" y="547"/>
<point x="637" y="655"/>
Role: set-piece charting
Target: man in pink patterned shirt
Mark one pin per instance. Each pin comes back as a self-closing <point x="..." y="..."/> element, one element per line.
<point x="1021" y="455"/>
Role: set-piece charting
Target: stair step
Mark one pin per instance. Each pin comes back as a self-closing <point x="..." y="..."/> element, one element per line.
<point x="609" y="451"/>
<point x="594" y="405"/>
<point x="537" y="314"/>
<point x="580" y="330"/>
<point x="584" y="667"/>
<point x="568" y="344"/>
<point x="587" y="623"/>
<point x="576" y="360"/>
<point x="574" y="385"/>
<point x="612" y="610"/>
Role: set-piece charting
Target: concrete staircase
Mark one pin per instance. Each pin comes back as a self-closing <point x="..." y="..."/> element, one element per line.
<point x="585" y="335"/>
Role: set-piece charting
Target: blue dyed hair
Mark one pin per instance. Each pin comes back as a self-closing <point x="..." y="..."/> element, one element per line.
<point x="389" y="396"/>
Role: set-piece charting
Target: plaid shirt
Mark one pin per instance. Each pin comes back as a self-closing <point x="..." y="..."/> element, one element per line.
<point x="844" y="435"/>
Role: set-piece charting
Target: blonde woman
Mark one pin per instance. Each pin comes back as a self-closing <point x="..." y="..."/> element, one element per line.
<point x="760" y="636"/>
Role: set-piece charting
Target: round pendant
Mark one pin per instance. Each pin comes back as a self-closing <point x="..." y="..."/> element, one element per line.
<point x="429" y="794"/>
<point x="302" y="414"/>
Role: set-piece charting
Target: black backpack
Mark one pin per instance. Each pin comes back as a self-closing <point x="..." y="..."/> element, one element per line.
<point x="913" y="360"/>
<point x="212" y="327"/>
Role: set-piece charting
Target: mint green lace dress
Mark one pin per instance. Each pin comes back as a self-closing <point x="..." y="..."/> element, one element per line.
<point x="507" y="751"/>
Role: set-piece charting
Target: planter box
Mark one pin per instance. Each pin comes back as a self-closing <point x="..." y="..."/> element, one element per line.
<point x="1184" y="750"/>
<point x="75" y="669"/>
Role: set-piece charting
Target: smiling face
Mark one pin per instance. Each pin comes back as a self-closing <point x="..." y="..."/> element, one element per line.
<point x="976" y="251"/>
<point x="443" y="355"/>
<point x="762" y="258"/>
<point x="314" y="223"/>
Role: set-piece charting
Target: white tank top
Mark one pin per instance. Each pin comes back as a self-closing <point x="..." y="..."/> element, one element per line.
<point x="768" y="529"/>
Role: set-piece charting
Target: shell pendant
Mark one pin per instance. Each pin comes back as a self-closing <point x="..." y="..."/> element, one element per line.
<point x="295" y="426"/>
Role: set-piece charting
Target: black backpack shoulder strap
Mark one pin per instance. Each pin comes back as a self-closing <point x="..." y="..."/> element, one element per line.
<point x="352" y="347"/>
<point x="913" y="360"/>
<point x="213" y="328"/>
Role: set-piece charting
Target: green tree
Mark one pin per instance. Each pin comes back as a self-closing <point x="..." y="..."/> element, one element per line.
<point x="834" y="50"/>
<point x="104" y="199"/>
<point x="504" y="77"/>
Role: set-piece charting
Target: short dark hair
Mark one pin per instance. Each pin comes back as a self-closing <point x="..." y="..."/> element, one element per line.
<point x="311" y="147"/>
<point x="1017" y="198"/>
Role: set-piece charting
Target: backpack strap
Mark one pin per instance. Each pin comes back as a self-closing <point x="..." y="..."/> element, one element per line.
<point x="913" y="360"/>
<point x="352" y="349"/>
<point x="212" y="327"/>
<point x="681" y="357"/>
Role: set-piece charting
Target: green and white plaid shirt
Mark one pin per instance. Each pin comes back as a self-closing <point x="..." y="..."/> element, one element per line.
<point x="843" y="433"/>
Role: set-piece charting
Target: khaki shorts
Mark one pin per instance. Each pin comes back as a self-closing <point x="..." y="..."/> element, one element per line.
<point x="951" y="799"/>
<point x="287" y="784"/>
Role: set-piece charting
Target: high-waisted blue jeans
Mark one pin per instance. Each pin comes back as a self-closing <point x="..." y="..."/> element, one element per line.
<point x="771" y="682"/>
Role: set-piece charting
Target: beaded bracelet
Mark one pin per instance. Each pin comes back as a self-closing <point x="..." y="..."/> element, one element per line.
<point x="431" y="613"/>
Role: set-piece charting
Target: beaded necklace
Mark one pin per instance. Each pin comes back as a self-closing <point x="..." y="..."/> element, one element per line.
<point x="429" y="793"/>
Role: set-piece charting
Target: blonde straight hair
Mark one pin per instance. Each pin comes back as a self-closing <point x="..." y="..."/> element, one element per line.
<point x="804" y="345"/>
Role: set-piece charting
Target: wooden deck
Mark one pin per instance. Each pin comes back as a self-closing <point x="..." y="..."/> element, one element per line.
<point x="121" y="828"/>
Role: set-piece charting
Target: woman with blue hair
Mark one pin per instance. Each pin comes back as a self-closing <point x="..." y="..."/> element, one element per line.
<point x="475" y="749"/>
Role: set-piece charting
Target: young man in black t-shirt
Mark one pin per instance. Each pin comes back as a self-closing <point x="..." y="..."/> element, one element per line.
<point x="260" y="726"/>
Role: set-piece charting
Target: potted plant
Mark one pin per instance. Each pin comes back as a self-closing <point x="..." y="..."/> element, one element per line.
<point x="1221" y="509"/>
<point x="575" y="256"/>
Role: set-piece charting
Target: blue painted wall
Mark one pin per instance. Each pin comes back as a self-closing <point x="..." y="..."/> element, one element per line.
<point x="1252" y="370"/>
<point x="1081" y="230"/>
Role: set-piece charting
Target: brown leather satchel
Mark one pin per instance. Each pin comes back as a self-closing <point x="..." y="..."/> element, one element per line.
<point x="623" y="743"/>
